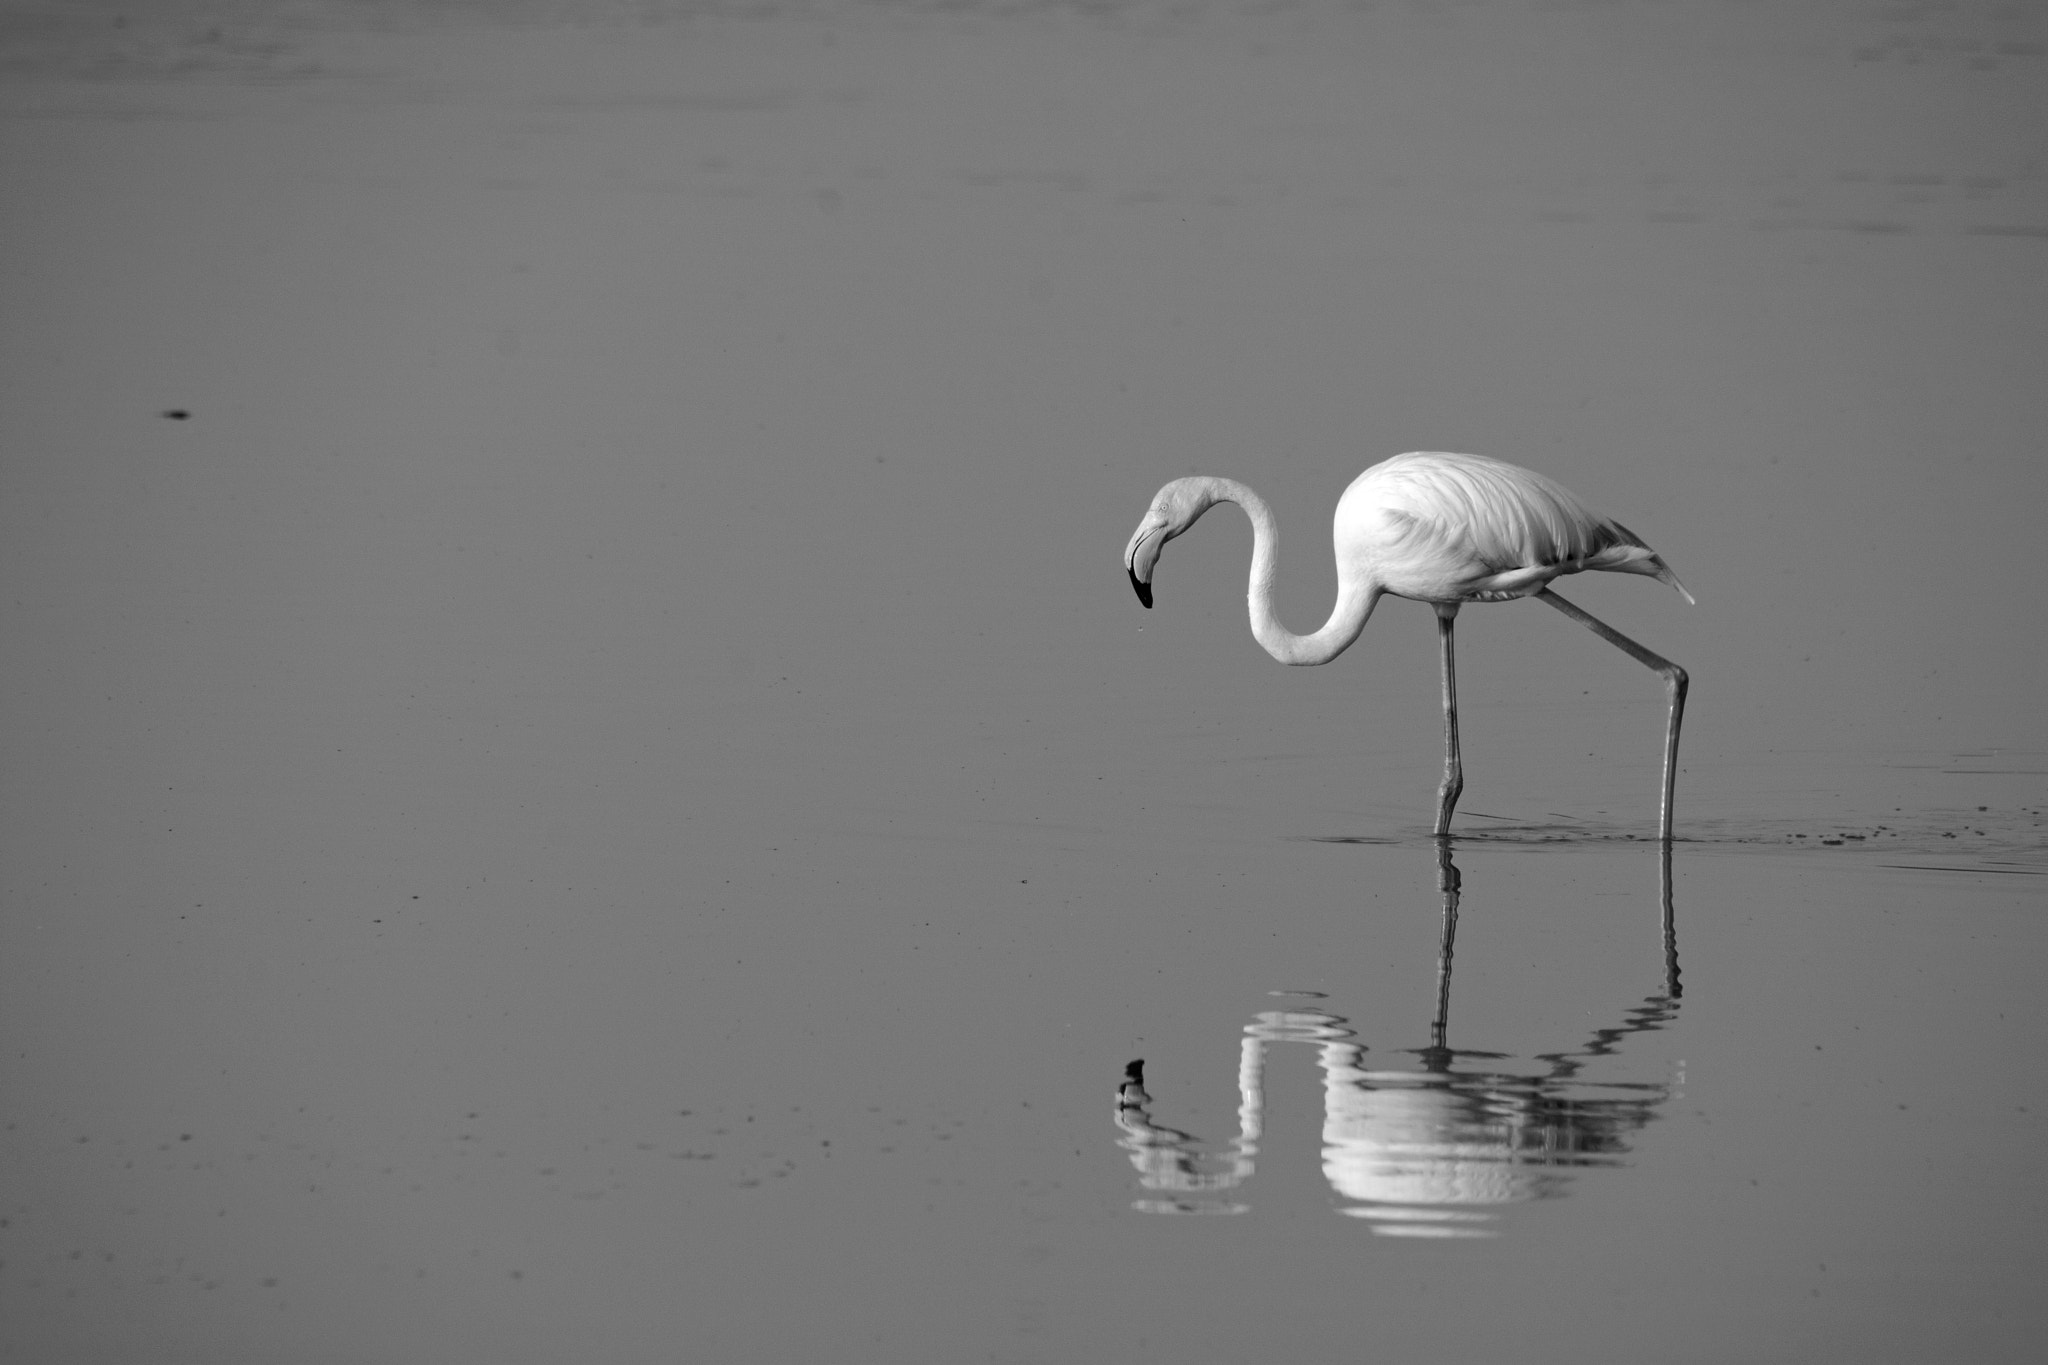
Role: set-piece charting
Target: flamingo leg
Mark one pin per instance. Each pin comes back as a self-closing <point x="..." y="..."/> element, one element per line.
<point x="1674" y="687"/>
<point x="1454" y="764"/>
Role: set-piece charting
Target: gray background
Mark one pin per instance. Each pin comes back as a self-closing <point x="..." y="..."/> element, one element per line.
<point x="603" y="796"/>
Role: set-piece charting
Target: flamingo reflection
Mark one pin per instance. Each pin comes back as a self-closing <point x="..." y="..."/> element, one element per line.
<point x="1423" y="1151"/>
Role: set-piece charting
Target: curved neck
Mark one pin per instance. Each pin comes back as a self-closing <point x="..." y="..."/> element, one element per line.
<point x="1355" y="594"/>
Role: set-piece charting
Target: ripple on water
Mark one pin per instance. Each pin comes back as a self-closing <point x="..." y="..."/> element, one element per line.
<point x="2011" y="841"/>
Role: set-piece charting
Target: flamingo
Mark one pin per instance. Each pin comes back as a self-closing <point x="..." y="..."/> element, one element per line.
<point x="1438" y="528"/>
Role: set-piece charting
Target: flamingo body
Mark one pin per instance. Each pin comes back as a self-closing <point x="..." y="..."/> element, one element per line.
<point x="1446" y="528"/>
<point x="1439" y="528"/>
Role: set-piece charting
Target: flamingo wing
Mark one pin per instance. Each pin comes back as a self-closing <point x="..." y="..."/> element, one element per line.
<point x="1468" y="528"/>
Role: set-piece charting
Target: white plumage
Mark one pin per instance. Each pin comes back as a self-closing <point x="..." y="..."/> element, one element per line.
<point x="1439" y="528"/>
<point x="1442" y="527"/>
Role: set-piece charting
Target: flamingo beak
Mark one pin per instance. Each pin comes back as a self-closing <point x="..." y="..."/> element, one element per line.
<point x="1142" y="553"/>
<point x="1144" y="590"/>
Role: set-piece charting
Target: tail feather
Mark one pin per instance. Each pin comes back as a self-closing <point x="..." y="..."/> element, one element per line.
<point x="1639" y="558"/>
<point x="1663" y="574"/>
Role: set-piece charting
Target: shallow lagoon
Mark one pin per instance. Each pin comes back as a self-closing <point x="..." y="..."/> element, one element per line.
<point x="584" y="782"/>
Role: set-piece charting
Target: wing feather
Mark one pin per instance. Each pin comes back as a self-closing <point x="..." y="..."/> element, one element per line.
<point x="1489" y="529"/>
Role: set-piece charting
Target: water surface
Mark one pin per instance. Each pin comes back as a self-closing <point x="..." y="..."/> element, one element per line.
<point x="584" y="783"/>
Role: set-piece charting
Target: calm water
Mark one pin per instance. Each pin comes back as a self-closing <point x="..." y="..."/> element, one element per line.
<point x="583" y="782"/>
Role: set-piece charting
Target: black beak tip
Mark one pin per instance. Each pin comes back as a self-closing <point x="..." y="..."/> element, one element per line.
<point x="1144" y="589"/>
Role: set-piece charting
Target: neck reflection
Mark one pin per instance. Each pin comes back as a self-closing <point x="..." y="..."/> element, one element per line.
<point x="1425" y="1151"/>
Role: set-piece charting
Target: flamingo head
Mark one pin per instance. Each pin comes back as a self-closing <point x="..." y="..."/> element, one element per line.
<point x="1174" y="508"/>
